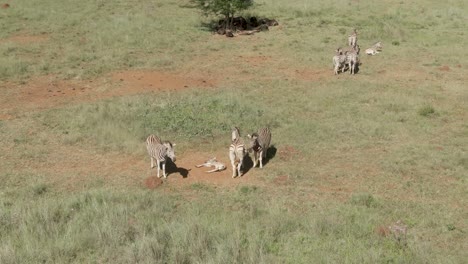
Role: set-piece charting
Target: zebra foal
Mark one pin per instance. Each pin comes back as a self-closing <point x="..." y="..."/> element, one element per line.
<point x="236" y="152"/>
<point x="159" y="151"/>
<point x="259" y="144"/>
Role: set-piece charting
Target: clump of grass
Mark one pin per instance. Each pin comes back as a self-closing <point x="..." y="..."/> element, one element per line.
<point x="426" y="111"/>
<point x="247" y="189"/>
<point x="364" y="199"/>
<point x="40" y="189"/>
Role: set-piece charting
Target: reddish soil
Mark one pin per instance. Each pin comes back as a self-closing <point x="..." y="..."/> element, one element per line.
<point x="4" y="6"/>
<point x="48" y="91"/>
<point x="287" y="153"/>
<point x="153" y="182"/>
<point x="444" y="68"/>
<point x="26" y="39"/>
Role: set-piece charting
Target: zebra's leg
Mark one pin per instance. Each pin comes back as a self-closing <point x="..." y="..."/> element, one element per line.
<point x="152" y="163"/>
<point x="255" y="158"/>
<point x="158" y="163"/>
<point x="164" y="170"/>
<point x="260" y="157"/>
<point x="234" y="171"/>
<point x="239" y="165"/>
<point x="232" y="157"/>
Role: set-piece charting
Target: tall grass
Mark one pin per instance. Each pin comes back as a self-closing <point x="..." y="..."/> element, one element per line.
<point x="234" y="227"/>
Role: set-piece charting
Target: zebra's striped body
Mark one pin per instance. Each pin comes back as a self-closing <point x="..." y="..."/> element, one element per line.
<point x="159" y="151"/>
<point x="259" y="143"/>
<point x="339" y="61"/>
<point x="352" y="39"/>
<point x="352" y="59"/>
<point x="236" y="152"/>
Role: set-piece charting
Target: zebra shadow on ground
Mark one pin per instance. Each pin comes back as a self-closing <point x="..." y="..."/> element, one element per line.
<point x="271" y="153"/>
<point x="171" y="168"/>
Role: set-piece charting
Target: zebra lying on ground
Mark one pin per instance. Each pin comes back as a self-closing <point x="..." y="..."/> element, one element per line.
<point x="218" y="166"/>
<point x="259" y="144"/>
<point x="236" y="152"/>
<point x="376" y="48"/>
<point x="160" y="150"/>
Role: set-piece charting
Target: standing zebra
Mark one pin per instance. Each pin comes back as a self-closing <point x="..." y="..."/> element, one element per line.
<point x="160" y="150"/>
<point x="352" y="39"/>
<point x="259" y="143"/>
<point x="236" y="152"/>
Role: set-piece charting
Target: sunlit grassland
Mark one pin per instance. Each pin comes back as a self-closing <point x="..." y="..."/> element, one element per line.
<point x="386" y="144"/>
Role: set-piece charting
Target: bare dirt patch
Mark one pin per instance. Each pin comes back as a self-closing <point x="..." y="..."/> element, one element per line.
<point x="26" y="39"/>
<point x="444" y="68"/>
<point x="152" y="182"/>
<point x="287" y="153"/>
<point x="49" y="91"/>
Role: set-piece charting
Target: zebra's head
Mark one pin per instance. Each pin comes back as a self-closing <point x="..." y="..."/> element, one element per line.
<point x="170" y="152"/>
<point x="235" y="134"/>
<point x="253" y="144"/>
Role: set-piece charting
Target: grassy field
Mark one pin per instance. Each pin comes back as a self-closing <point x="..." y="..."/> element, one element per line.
<point x="351" y="155"/>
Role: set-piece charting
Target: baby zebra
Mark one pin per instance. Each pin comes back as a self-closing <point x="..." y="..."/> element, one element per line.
<point x="259" y="143"/>
<point x="160" y="150"/>
<point x="218" y="166"/>
<point x="236" y="152"/>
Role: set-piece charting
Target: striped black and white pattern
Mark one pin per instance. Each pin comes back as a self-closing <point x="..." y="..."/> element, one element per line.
<point x="352" y="60"/>
<point x="236" y="152"/>
<point x="259" y="144"/>
<point x="159" y="151"/>
<point x="352" y="39"/>
<point x="339" y="61"/>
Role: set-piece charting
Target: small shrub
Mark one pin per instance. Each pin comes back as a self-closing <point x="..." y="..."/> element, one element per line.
<point x="426" y="111"/>
<point x="364" y="199"/>
<point x="40" y="189"/>
<point x="396" y="43"/>
<point x="451" y="227"/>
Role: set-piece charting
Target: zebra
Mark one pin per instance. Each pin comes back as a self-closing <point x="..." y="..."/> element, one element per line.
<point x="236" y="152"/>
<point x="352" y="59"/>
<point x="259" y="143"/>
<point x="339" y="61"/>
<point x="375" y="49"/>
<point x="352" y="39"/>
<point x="218" y="166"/>
<point x="159" y="151"/>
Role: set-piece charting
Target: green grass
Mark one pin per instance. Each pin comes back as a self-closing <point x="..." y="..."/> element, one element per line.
<point x="387" y="144"/>
<point x="230" y="228"/>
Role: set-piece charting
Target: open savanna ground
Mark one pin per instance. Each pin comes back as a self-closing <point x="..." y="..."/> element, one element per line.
<point x="83" y="83"/>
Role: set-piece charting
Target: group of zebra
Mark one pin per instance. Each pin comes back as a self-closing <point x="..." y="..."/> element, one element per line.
<point x="259" y="142"/>
<point x="348" y="58"/>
